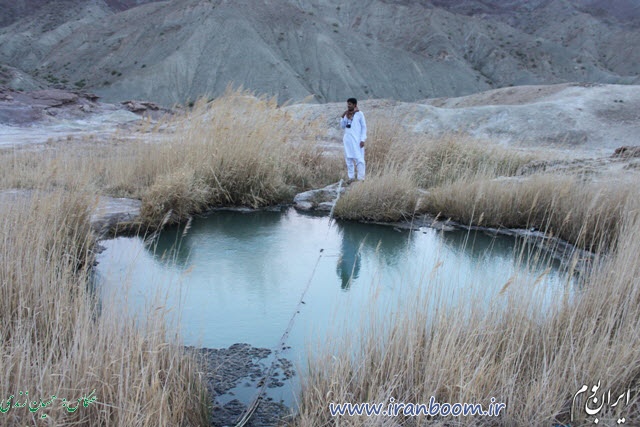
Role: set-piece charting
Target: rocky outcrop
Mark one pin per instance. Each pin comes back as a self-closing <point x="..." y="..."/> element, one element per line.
<point x="18" y="108"/>
<point x="322" y="199"/>
<point x="52" y="98"/>
<point x="54" y="114"/>
<point x="146" y="109"/>
<point x="19" y="115"/>
<point x="574" y="118"/>
<point x="627" y="151"/>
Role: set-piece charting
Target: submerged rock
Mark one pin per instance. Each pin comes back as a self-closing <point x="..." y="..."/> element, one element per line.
<point x="227" y="368"/>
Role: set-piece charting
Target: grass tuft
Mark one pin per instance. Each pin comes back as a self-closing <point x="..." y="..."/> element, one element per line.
<point x="383" y="197"/>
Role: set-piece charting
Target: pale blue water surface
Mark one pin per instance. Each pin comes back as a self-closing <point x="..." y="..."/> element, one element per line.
<point x="238" y="277"/>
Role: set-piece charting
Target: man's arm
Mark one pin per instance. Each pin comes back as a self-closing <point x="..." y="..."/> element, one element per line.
<point x="363" y="130"/>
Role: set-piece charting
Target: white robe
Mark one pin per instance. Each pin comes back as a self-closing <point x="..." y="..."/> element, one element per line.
<point x="353" y="136"/>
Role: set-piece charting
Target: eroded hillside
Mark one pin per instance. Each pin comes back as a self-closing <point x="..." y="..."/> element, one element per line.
<point x="178" y="51"/>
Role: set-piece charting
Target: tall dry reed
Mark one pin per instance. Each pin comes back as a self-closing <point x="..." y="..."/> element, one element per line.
<point x="586" y="213"/>
<point x="57" y="340"/>
<point x="237" y="149"/>
<point x="531" y="357"/>
<point x="400" y="162"/>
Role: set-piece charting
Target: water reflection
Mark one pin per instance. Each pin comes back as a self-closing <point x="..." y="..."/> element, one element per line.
<point x="476" y="244"/>
<point x="349" y="260"/>
<point x="171" y="248"/>
<point x="233" y="230"/>
<point x="238" y="277"/>
<point x="388" y="246"/>
<point x="479" y="246"/>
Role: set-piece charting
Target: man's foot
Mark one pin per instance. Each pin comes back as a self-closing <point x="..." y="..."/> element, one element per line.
<point x="350" y="181"/>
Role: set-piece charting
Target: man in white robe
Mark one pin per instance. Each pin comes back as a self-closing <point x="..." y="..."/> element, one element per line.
<point x="355" y="135"/>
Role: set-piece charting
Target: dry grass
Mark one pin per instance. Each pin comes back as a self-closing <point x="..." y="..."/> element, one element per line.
<point x="242" y="150"/>
<point x="238" y="150"/>
<point x="583" y="212"/>
<point x="381" y="197"/>
<point x="57" y="340"/>
<point x="235" y="150"/>
<point x="399" y="163"/>
<point x="533" y="359"/>
<point x="456" y="158"/>
<point x="475" y="183"/>
<point x="437" y="161"/>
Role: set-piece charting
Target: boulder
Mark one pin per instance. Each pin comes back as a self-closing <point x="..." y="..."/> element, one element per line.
<point x="322" y="199"/>
<point x="90" y="96"/>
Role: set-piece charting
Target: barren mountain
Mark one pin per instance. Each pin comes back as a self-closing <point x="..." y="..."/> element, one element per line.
<point x="171" y="52"/>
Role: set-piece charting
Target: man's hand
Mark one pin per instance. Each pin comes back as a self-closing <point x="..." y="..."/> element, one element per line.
<point x="361" y="144"/>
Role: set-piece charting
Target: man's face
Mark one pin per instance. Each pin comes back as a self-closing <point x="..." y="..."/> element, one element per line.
<point x="351" y="106"/>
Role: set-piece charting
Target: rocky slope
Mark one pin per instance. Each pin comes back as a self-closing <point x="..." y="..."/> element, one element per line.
<point x="577" y="119"/>
<point x="406" y="50"/>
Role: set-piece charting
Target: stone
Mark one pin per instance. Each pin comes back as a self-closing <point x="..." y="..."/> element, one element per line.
<point x="53" y="97"/>
<point x="106" y="215"/>
<point x="90" y="96"/>
<point x="304" y="206"/>
<point x="325" y="206"/>
<point x="134" y="106"/>
<point x="627" y="151"/>
<point x="140" y="106"/>
<point x="321" y="199"/>
<point x="110" y="213"/>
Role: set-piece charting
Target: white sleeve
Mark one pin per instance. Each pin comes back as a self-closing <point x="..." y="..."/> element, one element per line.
<point x="363" y="126"/>
<point x="343" y="122"/>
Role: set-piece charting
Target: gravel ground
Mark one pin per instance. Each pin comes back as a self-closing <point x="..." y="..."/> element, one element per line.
<point x="238" y="365"/>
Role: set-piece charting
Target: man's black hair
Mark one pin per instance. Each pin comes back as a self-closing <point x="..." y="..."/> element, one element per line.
<point x="353" y="101"/>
